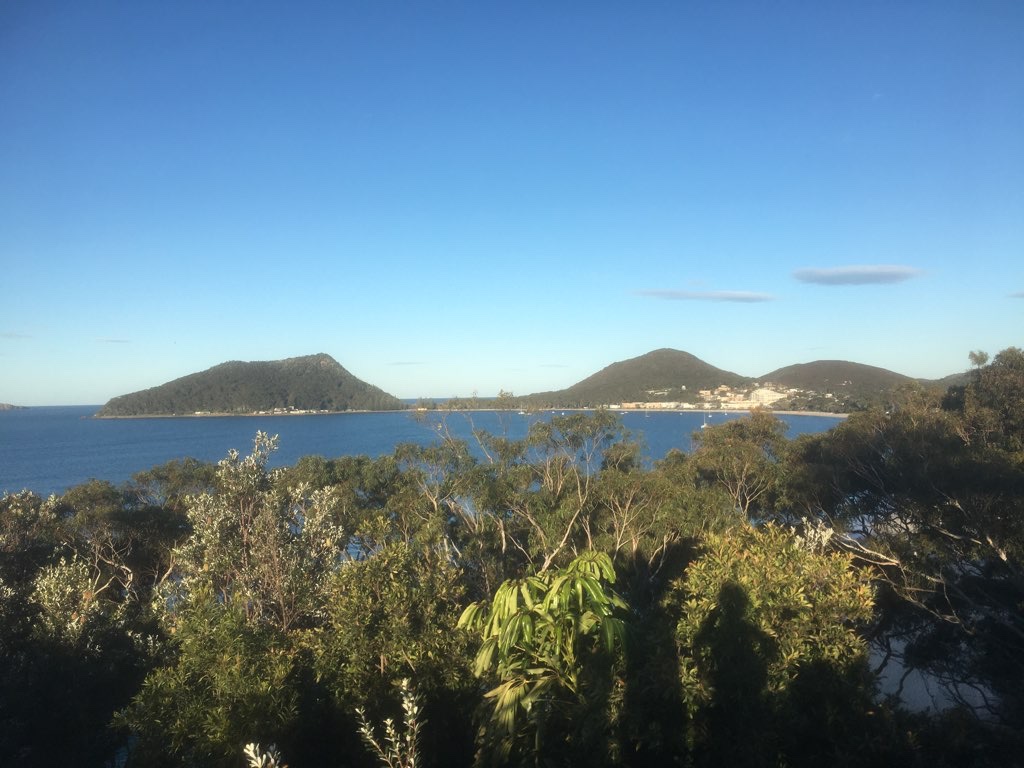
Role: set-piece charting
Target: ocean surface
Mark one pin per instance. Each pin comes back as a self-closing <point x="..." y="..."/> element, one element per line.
<point x="51" y="449"/>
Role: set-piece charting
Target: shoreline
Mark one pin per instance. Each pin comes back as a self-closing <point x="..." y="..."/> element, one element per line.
<point x="425" y="411"/>
<point x="228" y="415"/>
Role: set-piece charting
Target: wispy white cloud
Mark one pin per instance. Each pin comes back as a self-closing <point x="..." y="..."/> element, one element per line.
<point x="861" y="274"/>
<point x="6" y="335"/>
<point x="742" y="297"/>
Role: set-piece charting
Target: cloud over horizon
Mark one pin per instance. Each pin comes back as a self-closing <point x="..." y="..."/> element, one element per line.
<point x="742" y="297"/>
<point x="860" y="274"/>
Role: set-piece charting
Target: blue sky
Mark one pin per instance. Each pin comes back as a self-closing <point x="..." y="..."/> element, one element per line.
<point x="460" y="197"/>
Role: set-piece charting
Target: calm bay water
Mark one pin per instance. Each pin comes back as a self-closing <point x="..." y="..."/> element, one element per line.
<point x="50" y="449"/>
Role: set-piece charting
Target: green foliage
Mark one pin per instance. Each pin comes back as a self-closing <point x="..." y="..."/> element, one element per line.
<point x="257" y="545"/>
<point x="248" y="585"/>
<point x="932" y="498"/>
<point x="121" y="527"/>
<point x="763" y="622"/>
<point x="263" y="758"/>
<point x="276" y="629"/>
<point x="68" y="595"/>
<point x="388" y="617"/>
<point x="73" y="642"/>
<point x="230" y="681"/>
<point x="392" y="616"/>
<point x="314" y="382"/>
<point x="168" y="485"/>
<point x="804" y="606"/>
<point x="743" y="458"/>
<point x="283" y="600"/>
<point x="642" y="518"/>
<point x="549" y="641"/>
<point x="398" y="750"/>
<point x="992" y="404"/>
<point x="30" y="532"/>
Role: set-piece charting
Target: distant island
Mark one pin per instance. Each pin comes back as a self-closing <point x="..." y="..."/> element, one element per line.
<point x="310" y="384"/>
<point x="665" y="379"/>
<point x="9" y="407"/>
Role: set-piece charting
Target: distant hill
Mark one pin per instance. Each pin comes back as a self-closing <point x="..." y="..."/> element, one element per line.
<point x="849" y="386"/>
<point x="836" y="376"/>
<point x="658" y="376"/>
<point x="9" y="407"/>
<point x="661" y="375"/>
<point x="311" y="383"/>
<point x="953" y="380"/>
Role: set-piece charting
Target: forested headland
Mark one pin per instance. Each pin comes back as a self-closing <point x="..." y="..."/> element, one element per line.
<point x="545" y="601"/>
<point x="312" y="383"/>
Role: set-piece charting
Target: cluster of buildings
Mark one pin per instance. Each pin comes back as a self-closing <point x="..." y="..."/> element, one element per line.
<point x="723" y="397"/>
<point x="288" y="411"/>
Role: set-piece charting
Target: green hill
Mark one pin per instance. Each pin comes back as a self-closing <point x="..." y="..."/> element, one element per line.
<point x="668" y="375"/>
<point x="311" y="383"/>
<point x="953" y="380"/>
<point x="664" y="375"/>
<point x="836" y="376"/>
<point x="838" y="385"/>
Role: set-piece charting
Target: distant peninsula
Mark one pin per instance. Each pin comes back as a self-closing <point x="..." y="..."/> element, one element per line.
<point x="310" y="384"/>
<point x="9" y="407"/>
<point x="672" y="379"/>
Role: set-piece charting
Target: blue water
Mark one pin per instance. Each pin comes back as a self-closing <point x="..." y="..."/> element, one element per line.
<point x="50" y="449"/>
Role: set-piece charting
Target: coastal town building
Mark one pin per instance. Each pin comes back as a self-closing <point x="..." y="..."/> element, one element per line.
<point x="716" y="399"/>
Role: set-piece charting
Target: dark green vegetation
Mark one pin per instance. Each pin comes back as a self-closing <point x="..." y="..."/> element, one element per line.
<point x="837" y="385"/>
<point x="836" y="376"/>
<point x="656" y="376"/>
<point x="311" y="383"/>
<point x="318" y="383"/>
<point x="668" y="375"/>
<point x="551" y="601"/>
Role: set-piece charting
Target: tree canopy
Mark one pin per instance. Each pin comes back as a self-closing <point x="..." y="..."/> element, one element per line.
<point x="548" y="600"/>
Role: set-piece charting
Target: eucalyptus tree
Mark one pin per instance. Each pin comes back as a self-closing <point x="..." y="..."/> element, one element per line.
<point x="992" y="403"/>
<point x="931" y="496"/>
<point x="509" y="506"/>
<point x="547" y="485"/>
<point x="744" y="458"/>
<point x="169" y="484"/>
